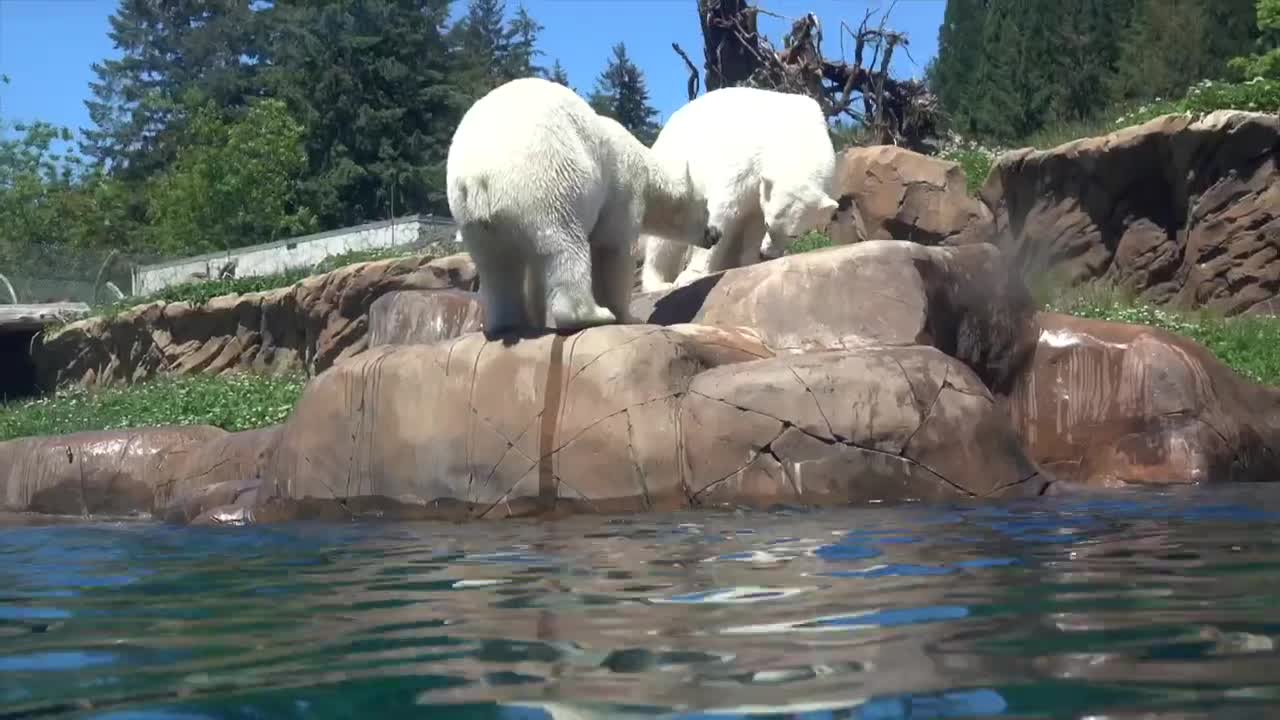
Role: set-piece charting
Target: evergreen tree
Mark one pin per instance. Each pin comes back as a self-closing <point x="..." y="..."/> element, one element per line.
<point x="1151" y="63"/>
<point x="558" y="74"/>
<point x="173" y="54"/>
<point x="621" y="94"/>
<point x="953" y="74"/>
<point x="374" y="84"/>
<point x="491" y="51"/>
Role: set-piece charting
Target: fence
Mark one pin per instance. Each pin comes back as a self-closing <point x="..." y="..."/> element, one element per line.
<point x="41" y="274"/>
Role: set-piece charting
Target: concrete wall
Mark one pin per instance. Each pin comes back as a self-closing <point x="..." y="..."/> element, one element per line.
<point x="300" y="252"/>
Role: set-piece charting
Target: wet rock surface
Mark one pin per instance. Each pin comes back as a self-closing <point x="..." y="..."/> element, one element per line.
<point x="1108" y="404"/>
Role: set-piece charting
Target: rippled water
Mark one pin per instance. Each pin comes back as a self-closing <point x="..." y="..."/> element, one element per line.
<point x="1121" y="605"/>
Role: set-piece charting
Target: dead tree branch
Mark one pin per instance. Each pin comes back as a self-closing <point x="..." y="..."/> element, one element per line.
<point x="901" y="112"/>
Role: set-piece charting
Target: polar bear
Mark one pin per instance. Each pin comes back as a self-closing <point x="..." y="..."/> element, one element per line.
<point x="550" y="198"/>
<point x="765" y="162"/>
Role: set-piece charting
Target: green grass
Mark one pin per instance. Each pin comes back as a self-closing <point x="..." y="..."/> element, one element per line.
<point x="810" y="241"/>
<point x="1250" y="344"/>
<point x="232" y="402"/>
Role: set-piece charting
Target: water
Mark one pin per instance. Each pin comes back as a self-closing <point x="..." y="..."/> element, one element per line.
<point x="1130" y="605"/>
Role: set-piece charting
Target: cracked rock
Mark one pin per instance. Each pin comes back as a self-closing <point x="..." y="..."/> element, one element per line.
<point x="584" y="421"/>
<point x="1107" y="404"/>
<point x="850" y="426"/>
<point x="903" y="195"/>
<point x="961" y="300"/>
<point x="110" y="472"/>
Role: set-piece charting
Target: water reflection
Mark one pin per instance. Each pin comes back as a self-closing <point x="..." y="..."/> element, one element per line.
<point x="1087" y="606"/>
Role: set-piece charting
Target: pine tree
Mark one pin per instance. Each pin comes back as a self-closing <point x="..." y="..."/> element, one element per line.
<point x="621" y="94"/>
<point x="1151" y="63"/>
<point x="953" y="75"/>
<point x="558" y="74"/>
<point x="173" y="55"/>
<point x="374" y="84"/>
<point x="522" y="50"/>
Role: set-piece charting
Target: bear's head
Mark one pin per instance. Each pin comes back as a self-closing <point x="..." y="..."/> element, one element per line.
<point x="792" y="211"/>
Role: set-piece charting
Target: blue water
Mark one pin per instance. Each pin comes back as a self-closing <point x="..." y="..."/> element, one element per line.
<point x="1129" y="605"/>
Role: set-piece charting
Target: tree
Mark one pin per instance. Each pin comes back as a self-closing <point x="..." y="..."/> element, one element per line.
<point x="377" y="89"/>
<point x="621" y="94"/>
<point x="960" y="47"/>
<point x="1265" y="64"/>
<point x="491" y="51"/>
<point x="558" y="74"/>
<point x="1150" y="64"/>
<point x="232" y="184"/>
<point x="172" y="55"/>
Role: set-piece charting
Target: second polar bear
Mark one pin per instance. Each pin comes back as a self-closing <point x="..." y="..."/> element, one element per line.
<point x="765" y="163"/>
<point x="549" y="198"/>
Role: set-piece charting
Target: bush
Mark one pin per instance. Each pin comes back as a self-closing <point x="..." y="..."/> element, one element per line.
<point x="232" y="402"/>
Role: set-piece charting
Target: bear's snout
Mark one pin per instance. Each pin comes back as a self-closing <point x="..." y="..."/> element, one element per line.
<point x="711" y="236"/>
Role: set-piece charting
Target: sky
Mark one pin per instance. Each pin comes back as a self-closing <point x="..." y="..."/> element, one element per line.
<point x="47" y="47"/>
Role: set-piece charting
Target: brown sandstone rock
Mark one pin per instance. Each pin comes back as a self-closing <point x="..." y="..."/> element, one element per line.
<point x="1108" y="404"/>
<point x="587" y="420"/>
<point x="305" y="327"/>
<point x="92" y="473"/>
<point x="903" y="195"/>
<point x="873" y="424"/>
<point x="961" y="300"/>
<point x="223" y="471"/>
<point x="422" y="317"/>
<point x="1181" y="212"/>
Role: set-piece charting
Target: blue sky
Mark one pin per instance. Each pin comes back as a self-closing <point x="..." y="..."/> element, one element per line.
<point x="47" y="46"/>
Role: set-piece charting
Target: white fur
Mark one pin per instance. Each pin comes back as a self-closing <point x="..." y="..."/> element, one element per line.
<point x="765" y="163"/>
<point x="550" y="198"/>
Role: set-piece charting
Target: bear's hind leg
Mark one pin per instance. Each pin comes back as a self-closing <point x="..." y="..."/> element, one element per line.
<point x="612" y="279"/>
<point x="502" y="269"/>
<point x="566" y="269"/>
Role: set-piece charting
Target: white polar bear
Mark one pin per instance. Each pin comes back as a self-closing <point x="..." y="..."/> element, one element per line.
<point x="550" y="199"/>
<point x="765" y="163"/>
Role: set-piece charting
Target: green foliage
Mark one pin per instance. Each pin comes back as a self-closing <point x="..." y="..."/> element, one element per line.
<point x="558" y="74"/>
<point x="232" y="402"/>
<point x="1265" y="64"/>
<point x="808" y="242"/>
<point x="492" y="51"/>
<point x="1009" y="69"/>
<point x="379" y="90"/>
<point x="232" y="184"/>
<point x="621" y="94"/>
<point x="974" y="159"/>
<point x="1250" y="344"/>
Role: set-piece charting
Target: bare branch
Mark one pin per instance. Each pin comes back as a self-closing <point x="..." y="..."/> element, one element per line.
<point x="693" y="70"/>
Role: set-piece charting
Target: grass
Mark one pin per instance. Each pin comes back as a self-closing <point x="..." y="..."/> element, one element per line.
<point x="1249" y="344"/>
<point x="810" y="241"/>
<point x="232" y="402"/>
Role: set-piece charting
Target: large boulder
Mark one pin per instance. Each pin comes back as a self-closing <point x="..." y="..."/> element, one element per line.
<point x="1181" y="211"/>
<point x="505" y="427"/>
<point x="962" y="300"/>
<point x="93" y="473"/>
<point x="850" y="426"/>
<point x="306" y="327"/>
<point x="903" y="195"/>
<point x="422" y="317"/>
<point x="221" y="472"/>
<point x="1108" y="404"/>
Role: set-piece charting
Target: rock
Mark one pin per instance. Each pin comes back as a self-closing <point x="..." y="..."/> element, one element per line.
<point x="961" y="300"/>
<point x="1107" y="404"/>
<point x="223" y="472"/>
<point x="852" y="426"/>
<point x="306" y="327"/>
<point x="92" y="473"/>
<point x="422" y="317"/>
<point x="1179" y="211"/>
<point x="584" y="421"/>
<point x="903" y="195"/>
